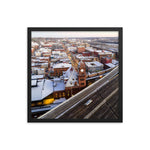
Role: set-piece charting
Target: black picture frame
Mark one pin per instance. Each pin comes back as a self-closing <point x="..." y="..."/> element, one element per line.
<point x="30" y="29"/>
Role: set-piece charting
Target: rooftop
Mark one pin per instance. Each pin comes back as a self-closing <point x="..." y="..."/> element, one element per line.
<point x="93" y="64"/>
<point x="37" y="77"/>
<point x="33" y="83"/>
<point x="110" y="65"/>
<point x="72" y="77"/>
<point x="59" y="85"/>
<point x="101" y="52"/>
<point x="62" y="65"/>
<point x="115" y="62"/>
<point x="45" y="88"/>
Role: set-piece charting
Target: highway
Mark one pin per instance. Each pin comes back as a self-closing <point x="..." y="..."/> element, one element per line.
<point x="84" y="95"/>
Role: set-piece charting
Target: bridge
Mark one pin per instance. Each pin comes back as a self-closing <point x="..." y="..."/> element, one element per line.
<point x="98" y="94"/>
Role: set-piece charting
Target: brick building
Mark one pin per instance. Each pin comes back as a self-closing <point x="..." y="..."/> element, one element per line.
<point x="57" y="69"/>
<point x="106" y="60"/>
<point x="82" y="75"/>
<point x="80" y="49"/>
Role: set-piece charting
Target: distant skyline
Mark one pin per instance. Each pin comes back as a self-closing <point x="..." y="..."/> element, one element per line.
<point x="67" y="34"/>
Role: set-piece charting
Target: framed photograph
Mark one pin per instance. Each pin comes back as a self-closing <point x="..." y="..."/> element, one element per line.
<point x="75" y="74"/>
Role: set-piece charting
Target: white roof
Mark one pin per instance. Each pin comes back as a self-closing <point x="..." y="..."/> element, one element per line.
<point x="71" y="75"/>
<point x="62" y="65"/>
<point x="34" y="44"/>
<point x="42" y="90"/>
<point x="110" y="65"/>
<point x="33" y="82"/>
<point x="90" y="49"/>
<point x="80" y="56"/>
<point x="37" y="52"/>
<point x="103" y="52"/>
<point x="42" y="49"/>
<point x="35" y="68"/>
<point x="42" y="57"/>
<point x="115" y="61"/>
<point x="93" y="64"/>
<point x="37" y="76"/>
<point x="45" y="88"/>
<point x="72" y="48"/>
<point x="59" y="85"/>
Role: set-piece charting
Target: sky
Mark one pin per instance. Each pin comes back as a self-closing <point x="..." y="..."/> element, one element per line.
<point x="65" y="34"/>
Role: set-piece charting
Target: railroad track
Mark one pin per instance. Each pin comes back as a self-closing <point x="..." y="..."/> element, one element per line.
<point x="108" y="110"/>
<point x="81" y="110"/>
<point x="72" y="102"/>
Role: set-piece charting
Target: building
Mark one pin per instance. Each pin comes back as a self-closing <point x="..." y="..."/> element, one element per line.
<point x="57" y="69"/>
<point x="43" y="92"/>
<point x="47" y="44"/>
<point x="72" y="49"/>
<point x="87" y="45"/>
<point x="58" y="88"/>
<point x="36" y="77"/>
<point x="106" y="59"/>
<point x="94" y="66"/>
<point x="80" y="57"/>
<point x="61" y="50"/>
<point x="71" y="82"/>
<point x="86" y="54"/>
<point x="38" y="71"/>
<point x="40" y="90"/>
<point x="103" y="53"/>
<point x="34" y="45"/>
<point x="80" y="49"/>
<point x="115" y="62"/>
<point x="82" y="75"/>
<point x="38" y="54"/>
<point x="109" y="65"/>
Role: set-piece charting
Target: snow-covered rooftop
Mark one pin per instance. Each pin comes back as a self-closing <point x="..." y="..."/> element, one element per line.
<point x="62" y="65"/>
<point x="115" y="62"/>
<point x="110" y="65"/>
<point x="37" y="77"/>
<point x="45" y="88"/>
<point x="93" y="64"/>
<point x="90" y="49"/>
<point x="80" y="56"/>
<point x="33" y="82"/>
<point x="71" y="76"/>
<point x="103" y="52"/>
<point x="34" y="44"/>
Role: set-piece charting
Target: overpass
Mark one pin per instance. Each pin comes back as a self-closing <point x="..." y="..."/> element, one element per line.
<point x="85" y="94"/>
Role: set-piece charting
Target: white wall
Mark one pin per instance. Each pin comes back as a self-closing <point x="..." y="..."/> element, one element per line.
<point x="16" y="133"/>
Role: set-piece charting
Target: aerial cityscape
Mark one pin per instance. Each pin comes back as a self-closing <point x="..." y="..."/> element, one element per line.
<point x="74" y="75"/>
